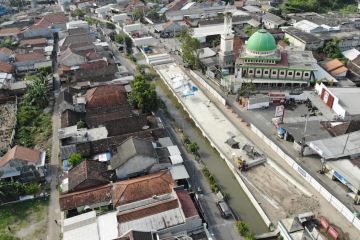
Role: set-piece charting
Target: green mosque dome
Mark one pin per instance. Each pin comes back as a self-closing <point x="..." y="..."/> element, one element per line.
<point x="261" y="41"/>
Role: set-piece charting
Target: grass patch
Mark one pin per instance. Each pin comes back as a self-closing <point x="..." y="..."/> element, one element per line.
<point x="34" y="126"/>
<point x="22" y="215"/>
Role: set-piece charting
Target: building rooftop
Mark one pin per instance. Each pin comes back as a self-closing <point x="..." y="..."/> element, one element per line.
<point x="261" y="41"/>
<point x="273" y="18"/>
<point x="82" y="226"/>
<point x="351" y="54"/>
<point x="98" y="195"/>
<point x="141" y="188"/>
<point x="347" y="169"/>
<point x="87" y="174"/>
<point x="34" y="41"/>
<point x="23" y="154"/>
<point x="106" y="96"/>
<point x="108" y="226"/>
<point x="301" y="60"/>
<point x="163" y="216"/>
<point x="301" y="35"/>
<point x="187" y="204"/>
<point x="130" y="148"/>
<point x="337" y="147"/>
<point x="179" y="172"/>
<point x="74" y="135"/>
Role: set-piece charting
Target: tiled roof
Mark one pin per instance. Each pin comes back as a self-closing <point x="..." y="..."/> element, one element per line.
<point x="49" y="20"/>
<point x="6" y="67"/>
<point x="146" y="211"/>
<point x="6" y="31"/>
<point x="332" y="65"/>
<point x="35" y="41"/>
<point x="6" y="51"/>
<point x="339" y="70"/>
<point x="187" y="204"/>
<point x="93" y="171"/>
<point x="142" y="188"/>
<point x="356" y="61"/>
<point x="33" y="56"/>
<point x="85" y="197"/>
<point x="106" y="95"/>
<point x="20" y="153"/>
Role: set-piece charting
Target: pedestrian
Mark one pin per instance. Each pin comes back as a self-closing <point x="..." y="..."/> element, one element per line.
<point x="56" y="222"/>
<point x="9" y="229"/>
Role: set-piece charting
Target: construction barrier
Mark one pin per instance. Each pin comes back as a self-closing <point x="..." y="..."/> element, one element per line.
<point x="317" y="186"/>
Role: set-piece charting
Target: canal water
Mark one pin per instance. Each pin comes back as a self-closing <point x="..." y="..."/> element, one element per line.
<point x="238" y="201"/>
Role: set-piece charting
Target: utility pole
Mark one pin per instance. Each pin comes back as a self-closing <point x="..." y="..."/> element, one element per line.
<point x="303" y="138"/>
<point x="347" y="139"/>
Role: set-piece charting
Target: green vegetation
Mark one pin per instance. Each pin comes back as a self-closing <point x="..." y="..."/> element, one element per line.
<point x="242" y="227"/>
<point x="295" y="6"/>
<point x="81" y="124"/>
<point x="34" y="126"/>
<point x="7" y="42"/>
<point x="153" y="15"/>
<point x="191" y="49"/>
<point x="119" y="38"/>
<point x="246" y="89"/>
<point x="143" y="95"/>
<point x="110" y="25"/>
<point x="351" y="8"/>
<point x="75" y="159"/>
<point x="37" y="93"/>
<point x="23" y="215"/>
<point x="138" y="14"/>
<point x="211" y="179"/>
<point x="249" y="30"/>
<point x="331" y="49"/>
<point x="78" y="13"/>
<point x="194" y="148"/>
<point x="91" y="21"/>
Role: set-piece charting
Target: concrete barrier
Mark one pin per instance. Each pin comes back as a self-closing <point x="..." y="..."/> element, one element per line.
<point x="208" y="87"/>
<point x="222" y="155"/>
<point x="338" y="205"/>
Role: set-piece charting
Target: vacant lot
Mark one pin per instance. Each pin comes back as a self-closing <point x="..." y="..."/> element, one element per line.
<point x="25" y="220"/>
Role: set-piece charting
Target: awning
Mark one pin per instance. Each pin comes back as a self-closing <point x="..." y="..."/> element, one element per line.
<point x="179" y="172"/>
<point x="176" y="159"/>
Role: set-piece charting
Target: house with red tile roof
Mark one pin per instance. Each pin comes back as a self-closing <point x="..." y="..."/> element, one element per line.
<point x="336" y="68"/>
<point x="45" y="27"/>
<point x="5" y="54"/>
<point x="23" y="164"/>
<point x="9" y="32"/>
<point x="33" y="42"/>
<point x="30" y="61"/>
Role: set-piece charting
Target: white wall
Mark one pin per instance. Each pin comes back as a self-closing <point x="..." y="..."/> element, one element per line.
<point x="133" y="27"/>
<point x="338" y="109"/>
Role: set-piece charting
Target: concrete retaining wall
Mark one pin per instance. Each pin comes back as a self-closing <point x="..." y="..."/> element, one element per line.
<point x="208" y="87"/>
<point x="222" y="155"/>
<point x="317" y="186"/>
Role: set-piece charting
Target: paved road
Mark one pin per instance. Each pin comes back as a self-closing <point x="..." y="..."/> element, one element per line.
<point x="53" y="229"/>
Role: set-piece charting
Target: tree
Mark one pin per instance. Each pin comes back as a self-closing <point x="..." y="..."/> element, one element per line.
<point x="153" y="15"/>
<point x="331" y="49"/>
<point x="194" y="148"/>
<point x="143" y="94"/>
<point x="141" y="68"/>
<point x="75" y="159"/>
<point x="78" y="13"/>
<point x="44" y="71"/>
<point x="91" y="21"/>
<point x="37" y="93"/>
<point x="190" y="48"/>
<point x="250" y="30"/>
<point x="250" y="236"/>
<point x="110" y="25"/>
<point x="7" y="42"/>
<point x="119" y="38"/>
<point x="10" y="191"/>
<point x="138" y="14"/>
<point x="32" y="188"/>
<point x="242" y="227"/>
<point x="81" y="124"/>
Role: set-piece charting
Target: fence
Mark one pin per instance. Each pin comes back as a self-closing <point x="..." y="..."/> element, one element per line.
<point x="208" y="87"/>
<point x="222" y="155"/>
<point x="326" y="194"/>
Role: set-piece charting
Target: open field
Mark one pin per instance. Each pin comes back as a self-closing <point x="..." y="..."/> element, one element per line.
<point x="24" y="220"/>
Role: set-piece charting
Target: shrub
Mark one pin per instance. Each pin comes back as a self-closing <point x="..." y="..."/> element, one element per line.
<point x="81" y="124"/>
<point x="75" y="159"/>
<point x="242" y="227"/>
<point x="32" y="188"/>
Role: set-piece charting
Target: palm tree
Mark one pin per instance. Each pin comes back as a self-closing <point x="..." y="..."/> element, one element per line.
<point x="37" y="93"/>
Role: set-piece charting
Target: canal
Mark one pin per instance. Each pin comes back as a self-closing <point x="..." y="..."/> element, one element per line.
<point x="238" y="201"/>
